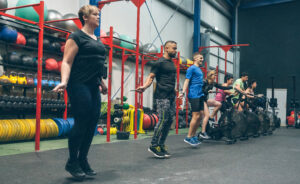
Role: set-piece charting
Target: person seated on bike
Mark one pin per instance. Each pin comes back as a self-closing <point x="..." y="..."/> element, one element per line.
<point x="221" y="95"/>
<point x="239" y="91"/>
<point x="208" y="84"/>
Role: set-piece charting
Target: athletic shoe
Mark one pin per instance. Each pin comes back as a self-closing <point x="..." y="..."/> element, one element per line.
<point x="75" y="170"/>
<point x="86" y="168"/>
<point x="156" y="151"/>
<point x="196" y="140"/>
<point x="164" y="149"/>
<point x="191" y="141"/>
<point x="204" y="135"/>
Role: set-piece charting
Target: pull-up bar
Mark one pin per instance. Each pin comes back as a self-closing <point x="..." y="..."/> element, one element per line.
<point x="226" y="48"/>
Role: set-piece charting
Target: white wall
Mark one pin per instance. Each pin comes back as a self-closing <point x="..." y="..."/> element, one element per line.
<point x="122" y="16"/>
<point x="64" y="7"/>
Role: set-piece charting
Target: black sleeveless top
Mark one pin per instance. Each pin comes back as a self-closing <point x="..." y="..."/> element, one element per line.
<point x="89" y="61"/>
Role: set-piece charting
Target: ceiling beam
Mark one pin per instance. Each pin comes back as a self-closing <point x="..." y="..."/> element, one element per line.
<point x="260" y="3"/>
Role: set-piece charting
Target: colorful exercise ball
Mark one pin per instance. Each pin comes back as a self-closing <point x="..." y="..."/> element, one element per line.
<point x="150" y="48"/>
<point x="70" y="25"/>
<point x="126" y="42"/>
<point x="140" y="45"/>
<point x="8" y="34"/>
<point x="29" y="13"/>
<point x="103" y="37"/>
<point x="3" y="4"/>
<point x="54" y="15"/>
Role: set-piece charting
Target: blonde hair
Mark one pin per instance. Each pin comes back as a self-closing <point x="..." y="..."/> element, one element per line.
<point x="209" y="76"/>
<point x="86" y="10"/>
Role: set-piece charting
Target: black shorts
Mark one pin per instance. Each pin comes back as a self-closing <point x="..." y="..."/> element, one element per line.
<point x="197" y="104"/>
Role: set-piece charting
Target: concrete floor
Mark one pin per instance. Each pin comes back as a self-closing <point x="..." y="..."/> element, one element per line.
<point x="271" y="159"/>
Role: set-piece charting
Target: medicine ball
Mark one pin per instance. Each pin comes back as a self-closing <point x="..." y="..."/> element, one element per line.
<point x="13" y="58"/>
<point x="21" y="40"/>
<point x="59" y="66"/>
<point x="27" y="60"/>
<point x="35" y="60"/>
<point x="32" y="42"/>
<point x="8" y="34"/>
<point x="55" y="46"/>
<point x="51" y="64"/>
<point x="46" y="43"/>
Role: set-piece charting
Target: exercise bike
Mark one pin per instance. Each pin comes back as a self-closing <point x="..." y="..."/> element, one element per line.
<point x="221" y="131"/>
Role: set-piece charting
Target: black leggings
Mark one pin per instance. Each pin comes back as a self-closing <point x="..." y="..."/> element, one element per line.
<point x="85" y="102"/>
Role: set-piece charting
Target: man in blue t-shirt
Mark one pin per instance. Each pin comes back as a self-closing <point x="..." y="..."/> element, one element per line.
<point x="194" y="81"/>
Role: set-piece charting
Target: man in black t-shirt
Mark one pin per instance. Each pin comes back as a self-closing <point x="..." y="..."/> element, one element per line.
<point x="164" y="71"/>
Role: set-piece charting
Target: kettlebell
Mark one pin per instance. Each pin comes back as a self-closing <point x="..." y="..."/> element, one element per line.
<point x="30" y="79"/>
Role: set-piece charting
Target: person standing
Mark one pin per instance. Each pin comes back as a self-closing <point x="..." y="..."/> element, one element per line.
<point x="81" y="75"/>
<point x="164" y="71"/>
<point x="194" y="82"/>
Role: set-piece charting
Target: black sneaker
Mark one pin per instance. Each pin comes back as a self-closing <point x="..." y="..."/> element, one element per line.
<point x="75" y="170"/>
<point x="86" y="168"/>
<point x="156" y="151"/>
<point x="164" y="149"/>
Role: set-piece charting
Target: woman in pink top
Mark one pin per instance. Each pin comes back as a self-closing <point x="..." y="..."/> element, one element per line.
<point x="221" y="95"/>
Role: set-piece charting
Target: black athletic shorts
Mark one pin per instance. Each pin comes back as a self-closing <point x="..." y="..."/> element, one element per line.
<point x="197" y="104"/>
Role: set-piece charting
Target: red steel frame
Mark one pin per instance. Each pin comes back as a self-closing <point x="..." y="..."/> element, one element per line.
<point x="39" y="8"/>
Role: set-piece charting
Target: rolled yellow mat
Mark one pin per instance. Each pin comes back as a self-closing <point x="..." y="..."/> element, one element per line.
<point x="4" y="130"/>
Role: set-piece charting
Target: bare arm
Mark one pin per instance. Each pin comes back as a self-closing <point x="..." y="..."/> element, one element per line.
<point x="70" y="52"/>
<point x="185" y="86"/>
<point x="148" y="83"/>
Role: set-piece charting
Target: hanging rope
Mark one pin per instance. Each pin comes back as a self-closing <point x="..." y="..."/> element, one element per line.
<point x="167" y="22"/>
<point x="154" y="23"/>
